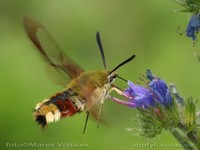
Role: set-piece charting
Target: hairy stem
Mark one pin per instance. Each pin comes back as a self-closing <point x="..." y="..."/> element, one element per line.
<point x="183" y="138"/>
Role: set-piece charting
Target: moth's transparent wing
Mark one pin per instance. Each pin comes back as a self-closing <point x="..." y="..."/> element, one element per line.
<point x="57" y="75"/>
<point x="95" y="115"/>
<point x="62" y="66"/>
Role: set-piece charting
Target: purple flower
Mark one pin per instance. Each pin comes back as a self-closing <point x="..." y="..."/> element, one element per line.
<point x="143" y="97"/>
<point x="193" y="26"/>
<point x="139" y="96"/>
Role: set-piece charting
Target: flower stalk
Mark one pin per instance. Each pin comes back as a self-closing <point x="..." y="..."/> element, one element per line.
<point x="193" y="7"/>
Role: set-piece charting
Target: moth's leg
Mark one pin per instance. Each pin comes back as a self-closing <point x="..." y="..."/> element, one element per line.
<point x="86" y="121"/>
<point x="115" y="88"/>
<point x="105" y="92"/>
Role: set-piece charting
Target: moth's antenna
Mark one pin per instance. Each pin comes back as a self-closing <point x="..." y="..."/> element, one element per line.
<point x="101" y="48"/>
<point x="124" y="62"/>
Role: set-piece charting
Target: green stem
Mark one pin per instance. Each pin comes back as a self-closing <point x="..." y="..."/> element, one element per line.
<point x="183" y="139"/>
<point x="189" y="134"/>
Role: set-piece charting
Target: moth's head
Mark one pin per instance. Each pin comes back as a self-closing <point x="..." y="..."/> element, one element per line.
<point x="112" y="76"/>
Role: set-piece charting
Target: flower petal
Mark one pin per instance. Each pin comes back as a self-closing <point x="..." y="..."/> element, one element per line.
<point x="137" y="88"/>
<point x="161" y="91"/>
<point x="129" y="103"/>
<point x="193" y="26"/>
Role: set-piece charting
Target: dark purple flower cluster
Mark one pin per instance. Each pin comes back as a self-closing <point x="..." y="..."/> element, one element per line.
<point x="139" y="96"/>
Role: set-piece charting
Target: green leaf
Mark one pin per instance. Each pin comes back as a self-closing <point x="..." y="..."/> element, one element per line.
<point x="189" y="113"/>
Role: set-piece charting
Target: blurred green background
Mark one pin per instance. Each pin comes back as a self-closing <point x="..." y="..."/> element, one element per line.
<point x="146" y="28"/>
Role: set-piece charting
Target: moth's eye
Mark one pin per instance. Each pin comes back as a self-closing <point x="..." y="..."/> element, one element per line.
<point x="110" y="78"/>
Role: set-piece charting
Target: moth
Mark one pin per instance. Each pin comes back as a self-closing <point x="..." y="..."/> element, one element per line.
<point x="83" y="90"/>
